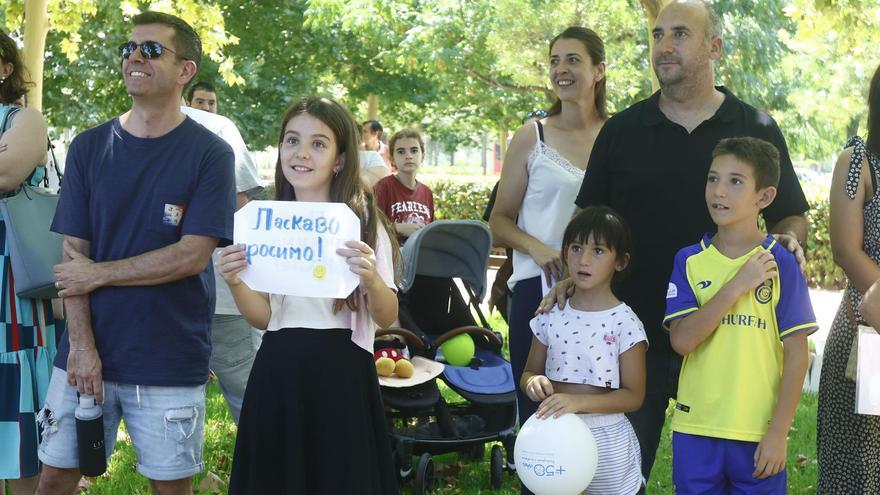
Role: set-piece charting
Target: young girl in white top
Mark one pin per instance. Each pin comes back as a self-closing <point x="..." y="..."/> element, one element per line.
<point x="589" y="358"/>
<point x="312" y="405"/>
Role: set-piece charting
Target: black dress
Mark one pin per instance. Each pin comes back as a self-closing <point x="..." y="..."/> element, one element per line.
<point x="312" y="421"/>
<point x="849" y="443"/>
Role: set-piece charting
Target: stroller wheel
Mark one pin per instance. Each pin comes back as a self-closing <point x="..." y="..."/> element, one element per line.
<point x="474" y="453"/>
<point x="424" y="475"/>
<point x="496" y="470"/>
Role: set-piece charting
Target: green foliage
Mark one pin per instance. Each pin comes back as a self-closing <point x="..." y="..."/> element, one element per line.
<point x="459" y="200"/>
<point x="834" y="52"/>
<point x="459" y="69"/>
<point x="821" y="271"/>
<point x="82" y="82"/>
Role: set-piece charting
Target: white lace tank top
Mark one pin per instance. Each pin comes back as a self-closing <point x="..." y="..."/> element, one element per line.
<point x="548" y="203"/>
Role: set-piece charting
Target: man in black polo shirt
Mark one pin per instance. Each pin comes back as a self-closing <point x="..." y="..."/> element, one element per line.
<point x="650" y="163"/>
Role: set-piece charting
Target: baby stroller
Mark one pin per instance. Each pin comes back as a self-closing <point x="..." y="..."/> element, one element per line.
<point x="432" y="311"/>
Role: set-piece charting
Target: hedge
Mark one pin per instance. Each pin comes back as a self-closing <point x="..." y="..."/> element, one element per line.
<point x="820" y="270"/>
<point x="459" y="200"/>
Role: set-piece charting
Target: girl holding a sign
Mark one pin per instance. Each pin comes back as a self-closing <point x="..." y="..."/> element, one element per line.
<point x="312" y="404"/>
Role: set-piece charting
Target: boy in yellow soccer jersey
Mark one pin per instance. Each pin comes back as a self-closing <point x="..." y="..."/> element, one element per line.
<point x="738" y="310"/>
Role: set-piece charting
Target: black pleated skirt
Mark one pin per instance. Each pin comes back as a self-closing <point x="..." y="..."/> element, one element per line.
<point x="312" y="420"/>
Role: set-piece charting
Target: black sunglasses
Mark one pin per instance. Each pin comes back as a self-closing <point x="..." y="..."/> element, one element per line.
<point x="149" y="49"/>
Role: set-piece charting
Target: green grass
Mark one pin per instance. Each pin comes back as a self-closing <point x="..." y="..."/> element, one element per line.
<point x="455" y="476"/>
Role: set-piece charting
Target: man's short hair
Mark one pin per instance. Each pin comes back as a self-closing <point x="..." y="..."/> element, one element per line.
<point x="714" y="24"/>
<point x="761" y="155"/>
<point x="375" y="126"/>
<point x="186" y="41"/>
<point x="199" y="86"/>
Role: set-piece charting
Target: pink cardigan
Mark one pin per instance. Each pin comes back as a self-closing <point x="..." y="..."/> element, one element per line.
<point x="363" y="329"/>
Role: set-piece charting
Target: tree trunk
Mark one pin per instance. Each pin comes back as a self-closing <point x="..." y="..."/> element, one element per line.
<point x="484" y="158"/>
<point x="372" y="107"/>
<point x="502" y="140"/>
<point x="36" y="26"/>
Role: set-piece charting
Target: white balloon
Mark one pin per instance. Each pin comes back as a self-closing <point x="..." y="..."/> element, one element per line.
<point x="555" y="456"/>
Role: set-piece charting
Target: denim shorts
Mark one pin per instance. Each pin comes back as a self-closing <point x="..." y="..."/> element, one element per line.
<point x="166" y="426"/>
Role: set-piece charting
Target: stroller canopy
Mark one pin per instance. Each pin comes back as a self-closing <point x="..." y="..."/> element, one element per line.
<point x="448" y="249"/>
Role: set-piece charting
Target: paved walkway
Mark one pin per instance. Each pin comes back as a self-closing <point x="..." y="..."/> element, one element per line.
<point x="825" y="304"/>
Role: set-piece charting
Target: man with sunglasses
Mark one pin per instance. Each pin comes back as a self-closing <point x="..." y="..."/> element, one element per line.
<point x="147" y="197"/>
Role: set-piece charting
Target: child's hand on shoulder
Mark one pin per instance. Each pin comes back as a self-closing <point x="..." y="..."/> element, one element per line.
<point x="361" y="260"/>
<point x="558" y="404"/>
<point x="771" y="455"/>
<point x="230" y="261"/>
<point x="757" y="270"/>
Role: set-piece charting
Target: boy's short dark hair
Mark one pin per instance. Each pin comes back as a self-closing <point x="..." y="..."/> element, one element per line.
<point x="761" y="155"/>
<point x="199" y="86"/>
<point x="606" y="226"/>
<point x="187" y="43"/>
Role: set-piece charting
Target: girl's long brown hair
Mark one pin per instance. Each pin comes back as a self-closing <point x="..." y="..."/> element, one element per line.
<point x="346" y="186"/>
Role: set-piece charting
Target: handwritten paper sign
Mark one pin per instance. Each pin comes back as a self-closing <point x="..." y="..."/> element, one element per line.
<point x="291" y="247"/>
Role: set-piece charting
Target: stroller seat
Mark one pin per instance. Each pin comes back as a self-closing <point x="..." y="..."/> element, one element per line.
<point x="493" y="376"/>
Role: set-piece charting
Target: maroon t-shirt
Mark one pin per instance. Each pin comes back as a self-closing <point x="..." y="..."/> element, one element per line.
<point x="402" y="204"/>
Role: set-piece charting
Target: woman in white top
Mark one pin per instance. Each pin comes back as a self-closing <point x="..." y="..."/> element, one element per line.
<point x="542" y="173"/>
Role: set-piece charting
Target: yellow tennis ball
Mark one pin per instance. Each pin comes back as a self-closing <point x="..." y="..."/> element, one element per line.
<point x="458" y="350"/>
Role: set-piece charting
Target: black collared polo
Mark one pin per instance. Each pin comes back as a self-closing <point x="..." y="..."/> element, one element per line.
<point x="653" y="172"/>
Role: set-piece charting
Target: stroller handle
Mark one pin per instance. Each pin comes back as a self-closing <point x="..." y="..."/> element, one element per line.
<point x="493" y="339"/>
<point x="411" y="338"/>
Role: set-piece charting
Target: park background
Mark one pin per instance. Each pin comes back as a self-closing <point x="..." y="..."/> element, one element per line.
<point x="464" y="72"/>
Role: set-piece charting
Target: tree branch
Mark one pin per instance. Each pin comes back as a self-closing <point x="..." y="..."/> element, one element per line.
<point x="500" y="84"/>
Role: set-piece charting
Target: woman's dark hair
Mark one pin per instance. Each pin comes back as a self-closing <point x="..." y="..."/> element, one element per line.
<point x="16" y="85"/>
<point x="606" y="226"/>
<point x="873" y="139"/>
<point x="596" y="50"/>
<point x="346" y="186"/>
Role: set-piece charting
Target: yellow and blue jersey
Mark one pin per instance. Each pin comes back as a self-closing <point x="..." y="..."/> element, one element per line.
<point x="729" y="384"/>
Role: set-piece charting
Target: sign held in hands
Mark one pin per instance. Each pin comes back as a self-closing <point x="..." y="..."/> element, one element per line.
<point x="291" y="247"/>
